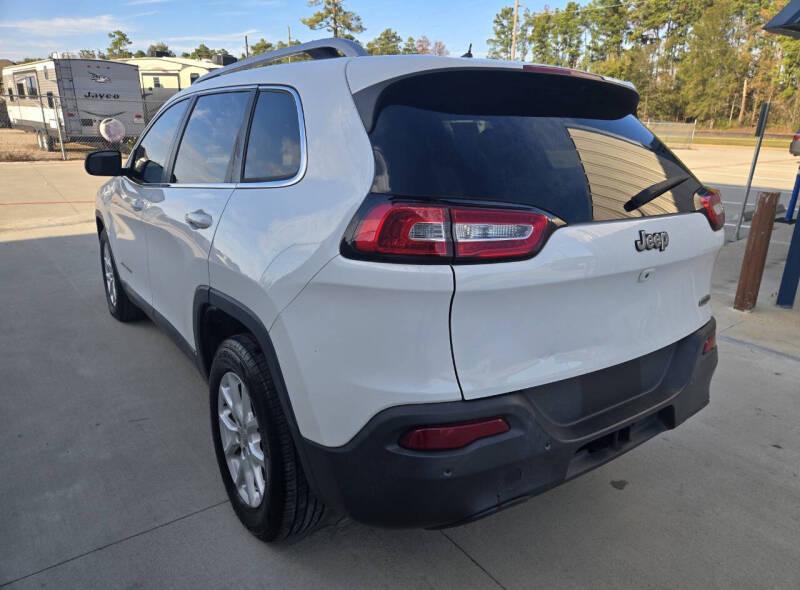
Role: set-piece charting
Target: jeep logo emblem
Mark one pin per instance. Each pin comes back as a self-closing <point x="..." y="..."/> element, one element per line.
<point x="648" y="241"/>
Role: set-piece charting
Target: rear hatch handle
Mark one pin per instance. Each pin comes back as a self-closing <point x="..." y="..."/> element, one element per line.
<point x="651" y="192"/>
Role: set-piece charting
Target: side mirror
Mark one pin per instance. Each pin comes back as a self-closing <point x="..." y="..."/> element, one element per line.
<point x="104" y="163"/>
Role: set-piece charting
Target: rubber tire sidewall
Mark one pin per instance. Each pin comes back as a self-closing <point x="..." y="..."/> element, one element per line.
<point x="264" y="521"/>
<point x="124" y="310"/>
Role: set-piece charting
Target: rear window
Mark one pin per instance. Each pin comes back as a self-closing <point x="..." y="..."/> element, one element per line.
<point x="578" y="168"/>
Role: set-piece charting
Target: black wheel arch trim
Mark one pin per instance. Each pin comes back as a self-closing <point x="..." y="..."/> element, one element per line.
<point x="206" y="297"/>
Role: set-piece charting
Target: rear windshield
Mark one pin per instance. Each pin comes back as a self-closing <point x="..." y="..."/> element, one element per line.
<point x="579" y="169"/>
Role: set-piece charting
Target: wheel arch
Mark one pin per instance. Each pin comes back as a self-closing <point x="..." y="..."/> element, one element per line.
<point x="208" y="299"/>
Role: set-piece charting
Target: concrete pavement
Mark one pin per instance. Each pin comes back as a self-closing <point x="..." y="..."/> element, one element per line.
<point x="108" y="477"/>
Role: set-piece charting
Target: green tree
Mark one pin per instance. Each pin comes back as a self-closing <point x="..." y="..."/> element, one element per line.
<point x="409" y="47"/>
<point x="160" y="47"/>
<point x="387" y="43"/>
<point x="503" y="29"/>
<point x="333" y="17"/>
<point x="118" y="48"/>
<point x="87" y="54"/>
<point x="202" y="51"/>
<point x="541" y="32"/>
<point x="567" y="35"/>
<point x="139" y="53"/>
<point x="710" y="68"/>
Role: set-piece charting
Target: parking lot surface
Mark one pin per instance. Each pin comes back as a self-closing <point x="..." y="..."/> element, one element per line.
<point x="108" y="477"/>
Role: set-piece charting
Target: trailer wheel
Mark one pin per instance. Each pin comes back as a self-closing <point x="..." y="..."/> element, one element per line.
<point x="47" y="143"/>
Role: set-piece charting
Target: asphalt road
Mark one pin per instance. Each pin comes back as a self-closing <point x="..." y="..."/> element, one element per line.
<point x="108" y="477"/>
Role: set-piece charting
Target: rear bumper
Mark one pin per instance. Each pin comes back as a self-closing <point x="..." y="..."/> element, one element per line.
<point x="557" y="431"/>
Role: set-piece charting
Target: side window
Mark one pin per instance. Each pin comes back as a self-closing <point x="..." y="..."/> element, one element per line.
<point x="148" y="160"/>
<point x="30" y="86"/>
<point x="209" y="142"/>
<point x="273" y="147"/>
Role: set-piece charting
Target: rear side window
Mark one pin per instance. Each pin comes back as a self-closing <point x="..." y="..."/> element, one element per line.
<point x="485" y="147"/>
<point x="273" y="147"/>
<point x="148" y="160"/>
<point x="208" y="145"/>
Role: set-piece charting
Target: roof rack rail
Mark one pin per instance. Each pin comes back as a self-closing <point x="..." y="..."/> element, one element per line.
<point x="319" y="49"/>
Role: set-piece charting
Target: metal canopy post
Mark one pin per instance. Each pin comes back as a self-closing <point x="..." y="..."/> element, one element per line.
<point x="760" y="128"/>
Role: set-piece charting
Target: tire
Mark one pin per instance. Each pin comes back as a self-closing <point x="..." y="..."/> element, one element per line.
<point x="119" y="305"/>
<point x="288" y="509"/>
<point x="48" y="143"/>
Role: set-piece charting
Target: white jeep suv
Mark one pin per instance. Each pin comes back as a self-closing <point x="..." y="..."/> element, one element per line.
<point x="421" y="288"/>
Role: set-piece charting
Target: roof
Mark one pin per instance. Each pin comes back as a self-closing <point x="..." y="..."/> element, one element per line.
<point x="787" y="21"/>
<point x="179" y="61"/>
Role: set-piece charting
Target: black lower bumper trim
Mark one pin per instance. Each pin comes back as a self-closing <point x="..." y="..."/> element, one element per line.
<point x="557" y="432"/>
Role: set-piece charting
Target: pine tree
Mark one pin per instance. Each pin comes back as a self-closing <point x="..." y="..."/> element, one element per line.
<point x="409" y="47"/>
<point x="387" y="43"/>
<point x="503" y="28"/>
<point x="118" y="48"/>
<point x="334" y="18"/>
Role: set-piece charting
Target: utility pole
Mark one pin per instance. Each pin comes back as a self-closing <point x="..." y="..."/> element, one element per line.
<point x="246" y="47"/>
<point x="289" y="33"/>
<point x="514" y="32"/>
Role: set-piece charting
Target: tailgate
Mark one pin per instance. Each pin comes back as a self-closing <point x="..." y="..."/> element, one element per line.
<point x="588" y="301"/>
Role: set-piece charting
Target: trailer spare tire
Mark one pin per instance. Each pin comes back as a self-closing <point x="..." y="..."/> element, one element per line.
<point x="112" y="130"/>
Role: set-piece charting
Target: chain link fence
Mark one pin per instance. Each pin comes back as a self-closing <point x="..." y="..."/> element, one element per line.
<point x="675" y="135"/>
<point x="47" y="127"/>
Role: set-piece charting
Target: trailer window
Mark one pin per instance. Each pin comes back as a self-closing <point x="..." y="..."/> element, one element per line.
<point x="20" y="90"/>
<point x="156" y="82"/>
<point x="10" y="95"/>
<point x="50" y="101"/>
<point x="30" y="86"/>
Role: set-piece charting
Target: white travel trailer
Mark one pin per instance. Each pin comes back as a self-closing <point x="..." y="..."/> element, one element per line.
<point x="69" y="98"/>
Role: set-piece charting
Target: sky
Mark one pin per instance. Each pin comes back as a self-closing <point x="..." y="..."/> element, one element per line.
<point x="35" y="28"/>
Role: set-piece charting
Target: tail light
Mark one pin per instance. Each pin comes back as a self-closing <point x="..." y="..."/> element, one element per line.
<point x="452" y="436"/>
<point x="796" y="136"/>
<point x="384" y="229"/>
<point x="711" y="202"/>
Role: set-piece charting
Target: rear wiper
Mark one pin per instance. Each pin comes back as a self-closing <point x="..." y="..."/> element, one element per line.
<point x="651" y="192"/>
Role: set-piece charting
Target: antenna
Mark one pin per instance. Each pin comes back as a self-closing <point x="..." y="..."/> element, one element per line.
<point x="469" y="51"/>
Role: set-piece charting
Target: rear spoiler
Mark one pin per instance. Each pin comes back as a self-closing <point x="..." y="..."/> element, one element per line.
<point x="536" y="91"/>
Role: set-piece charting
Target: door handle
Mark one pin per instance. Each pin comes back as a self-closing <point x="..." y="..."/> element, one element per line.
<point x="137" y="205"/>
<point x="198" y="219"/>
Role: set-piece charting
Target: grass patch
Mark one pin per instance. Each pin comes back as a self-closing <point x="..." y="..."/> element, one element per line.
<point x="15" y="155"/>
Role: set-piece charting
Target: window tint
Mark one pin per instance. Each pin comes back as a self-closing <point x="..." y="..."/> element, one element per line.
<point x="209" y="142"/>
<point x="578" y="169"/>
<point x="273" y="148"/>
<point x="148" y="160"/>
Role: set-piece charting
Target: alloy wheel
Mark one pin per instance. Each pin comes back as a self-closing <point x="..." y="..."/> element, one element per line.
<point x="241" y="440"/>
<point x="108" y="273"/>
